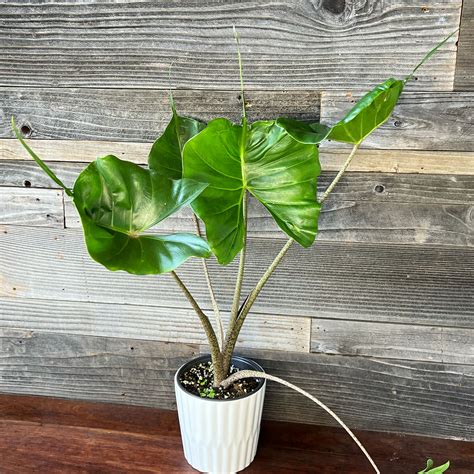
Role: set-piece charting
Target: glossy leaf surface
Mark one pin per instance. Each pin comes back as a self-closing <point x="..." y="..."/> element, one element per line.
<point x="304" y="132"/>
<point x="369" y="113"/>
<point x="434" y="470"/>
<point x="262" y="159"/>
<point x="118" y="200"/>
<point x="166" y="153"/>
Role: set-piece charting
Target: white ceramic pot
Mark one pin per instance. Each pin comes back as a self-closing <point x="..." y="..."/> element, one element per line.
<point x="219" y="436"/>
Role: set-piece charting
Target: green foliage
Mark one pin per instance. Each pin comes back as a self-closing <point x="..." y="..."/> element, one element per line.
<point x="369" y="113"/>
<point x="39" y="161"/>
<point x="118" y="201"/>
<point x="434" y="470"/>
<point x="262" y="159"/>
<point x="207" y="392"/>
<point x="304" y="132"/>
<point x="166" y="153"/>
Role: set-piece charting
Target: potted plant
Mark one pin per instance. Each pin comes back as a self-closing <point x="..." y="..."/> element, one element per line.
<point x="214" y="168"/>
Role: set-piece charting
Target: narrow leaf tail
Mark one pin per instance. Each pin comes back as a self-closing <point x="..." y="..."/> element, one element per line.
<point x="429" y="54"/>
<point x="40" y="162"/>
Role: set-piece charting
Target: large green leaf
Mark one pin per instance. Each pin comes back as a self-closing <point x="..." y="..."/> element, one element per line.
<point x="262" y="159"/>
<point x="304" y="132"/>
<point x="118" y="200"/>
<point x="369" y="113"/>
<point x="166" y="153"/>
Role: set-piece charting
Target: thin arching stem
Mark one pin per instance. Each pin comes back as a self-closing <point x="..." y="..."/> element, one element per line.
<point x="245" y="374"/>
<point x="208" y="329"/>
<point x="215" y="305"/>
<point x="233" y="334"/>
<point x="339" y="175"/>
<point x="240" y="274"/>
<point x="234" y="331"/>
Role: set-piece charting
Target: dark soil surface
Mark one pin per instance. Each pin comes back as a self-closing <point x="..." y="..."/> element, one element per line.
<point x="198" y="381"/>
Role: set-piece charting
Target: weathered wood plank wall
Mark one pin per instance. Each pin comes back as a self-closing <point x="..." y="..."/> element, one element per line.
<point x="376" y="318"/>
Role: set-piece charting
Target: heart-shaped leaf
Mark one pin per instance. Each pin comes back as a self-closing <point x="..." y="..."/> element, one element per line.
<point x="369" y="113"/>
<point x="166" y="153"/>
<point x="118" y="200"/>
<point x="262" y="159"/>
<point x="304" y="132"/>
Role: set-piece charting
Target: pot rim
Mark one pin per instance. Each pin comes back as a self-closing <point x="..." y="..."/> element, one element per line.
<point x="254" y="365"/>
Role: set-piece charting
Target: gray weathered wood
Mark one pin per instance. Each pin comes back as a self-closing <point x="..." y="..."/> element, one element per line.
<point x="167" y="324"/>
<point x="39" y="207"/>
<point x="464" y="78"/>
<point x="389" y="395"/>
<point x="354" y="186"/>
<point x="421" y="121"/>
<point x="384" y="218"/>
<point x="302" y="44"/>
<point x="394" y="161"/>
<point x="409" y="284"/>
<point x="393" y="341"/>
<point x="28" y="174"/>
<point x="137" y="115"/>
<point x="351" y="221"/>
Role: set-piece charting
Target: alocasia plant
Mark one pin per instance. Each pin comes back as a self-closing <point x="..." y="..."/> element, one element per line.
<point x="214" y="167"/>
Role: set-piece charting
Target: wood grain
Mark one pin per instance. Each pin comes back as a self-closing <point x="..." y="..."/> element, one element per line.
<point x="350" y="221"/>
<point x="303" y="44"/>
<point x="141" y="439"/>
<point x="38" y="207"/>
<point x="393" y="161"/>
<point x="421" y="120"/>
<point x="168" y="324"/>
<point x="410" y="284"/>
<point x="379" y="214"/>
<point x="354" y="186"/>
<point x="393" y="341"/>
<point x="388" y="395"/>
<point x="404" y="396"/>
<point x="99" y="450"/>
<point x="138" y="115"/>
<point x="464" y="78"/>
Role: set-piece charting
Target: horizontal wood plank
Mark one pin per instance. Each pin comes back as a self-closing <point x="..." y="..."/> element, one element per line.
<point x="404" y="396"/>
<point x="137" y="115"/>
<point x="354" y="186"/>
<point x="138" y="438"/>
<point x="421" y="120"/>
<point x="303" y="44"/>
<point x="38" y="207"/>
<point x="406" y="209"/>
<point x="173" y="324"/>
<point x="393" y="161"/>
<point x="410" y="284"/>
<point x="393" y="341"/>
<point x="464" y="78"/>
<point x="411" y="397"/>
<point x="350" y="221"/>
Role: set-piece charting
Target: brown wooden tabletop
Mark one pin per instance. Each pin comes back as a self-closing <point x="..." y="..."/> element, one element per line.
<point x="45" y="435"/>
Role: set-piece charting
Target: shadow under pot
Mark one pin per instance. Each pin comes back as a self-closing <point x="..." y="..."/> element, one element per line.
<point x="219" y="435"/>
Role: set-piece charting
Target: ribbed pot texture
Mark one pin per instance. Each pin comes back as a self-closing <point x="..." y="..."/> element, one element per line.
<point x="220" y="436"/>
